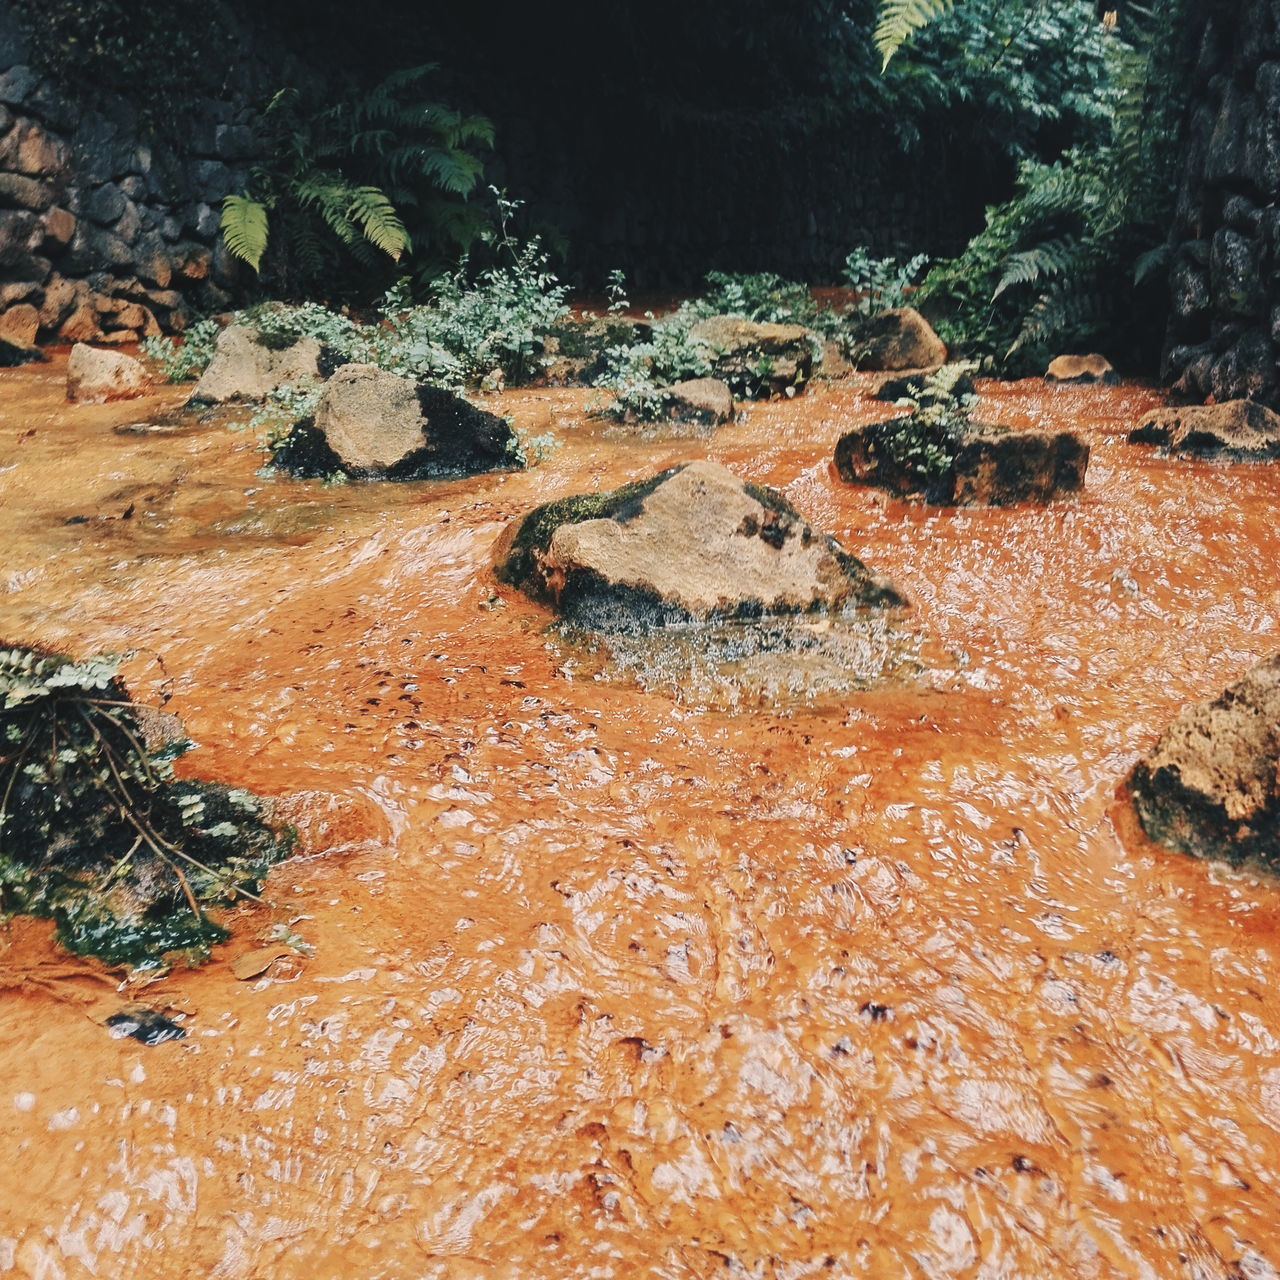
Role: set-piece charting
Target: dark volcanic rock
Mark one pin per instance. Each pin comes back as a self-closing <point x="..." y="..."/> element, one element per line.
<point x="372" y="425"/>
<point x="1239" y="429"/>
<point x="1211" y="785"/>
<point x="981" y="466"/>
<point x="692" y="544"/>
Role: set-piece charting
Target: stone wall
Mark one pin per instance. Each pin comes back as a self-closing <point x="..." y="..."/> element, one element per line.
<point x="1225" y="326"/>
<point x="106" y="234"/>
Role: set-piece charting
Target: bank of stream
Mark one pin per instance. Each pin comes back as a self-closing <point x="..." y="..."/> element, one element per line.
<point x="605" y="982"/>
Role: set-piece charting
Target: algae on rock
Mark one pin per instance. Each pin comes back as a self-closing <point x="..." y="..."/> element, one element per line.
<point x="97" y="834"/>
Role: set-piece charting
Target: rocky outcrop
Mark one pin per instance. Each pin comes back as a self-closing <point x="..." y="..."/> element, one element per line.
<point x="978" y="466"/>
<point x="895" y="340"/>
<point x="107" y="235"/>
<point x="1223" y="334"/>
<point x="693" y="543"/>
<point x="1240" y="430"/>
<point x="1081" y="370"/>
<point x="757" y="359"/>
<point x="95" y="376"/>
<point x="248" y="365"/>
<point x="914" y="385"/>
<point x="1211" y="785"/>
<point x="704" y="403"/>
<point x="372" y="425"/>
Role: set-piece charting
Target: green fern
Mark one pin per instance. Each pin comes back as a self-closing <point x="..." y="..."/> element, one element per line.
<point x="244" y="229"/>
<point x="1050" y="258"/>
<point x="900" y="19"/>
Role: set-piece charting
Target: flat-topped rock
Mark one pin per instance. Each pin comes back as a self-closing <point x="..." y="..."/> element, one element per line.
<point x="702" y="403"/>
<point x="1081" y="370"/>
<point x="373" y="425"/>
<point x="757" y="359"/>
<point x="248" y="365"/>
<point x="1211" y="784"/>
<point x="693" y="543"/>
<point x="1242" y="430"/>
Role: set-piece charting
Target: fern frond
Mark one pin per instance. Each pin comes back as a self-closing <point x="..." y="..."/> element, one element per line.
<point x="369" y="208"/>
<point x="1065" y="310"/>
<point x="900" y="19"/>
<point x="244" y="228"/>
<point x="1052" y="258"/>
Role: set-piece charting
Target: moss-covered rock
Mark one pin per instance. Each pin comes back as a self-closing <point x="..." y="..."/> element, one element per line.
<point x="691" y="544"/>
<point x="1211" y="784"/>
<point x="95" y="831"/>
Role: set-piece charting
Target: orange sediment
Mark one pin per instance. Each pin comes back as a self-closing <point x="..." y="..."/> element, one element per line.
<point x="608" y="985"/>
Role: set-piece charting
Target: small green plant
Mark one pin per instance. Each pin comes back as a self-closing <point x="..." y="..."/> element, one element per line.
<point x="639" y="376"/>
<point x="95" y="831"/>
<point x="186" y="360"/>
<point x="615" y="289"/>
<point x="881" y="283"/>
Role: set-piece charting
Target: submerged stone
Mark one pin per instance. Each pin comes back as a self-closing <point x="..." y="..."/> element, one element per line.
<point x="373" y="425"/>
<point x="1241" y="430"/>
<point x="691" y="544"/>
<point x="1211" y="784"/>
<point x="757" y="359"/>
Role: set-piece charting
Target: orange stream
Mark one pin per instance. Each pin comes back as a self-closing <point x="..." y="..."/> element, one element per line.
<point x="608" y="986"/>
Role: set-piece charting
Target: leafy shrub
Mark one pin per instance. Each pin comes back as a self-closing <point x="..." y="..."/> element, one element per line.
<point x="97" y="834"/>
<point x="341" y="181"/>
<point x="881" y="283"/>
<point x="186" y="360"/>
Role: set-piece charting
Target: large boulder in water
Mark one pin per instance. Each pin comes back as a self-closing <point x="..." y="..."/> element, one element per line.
<point x="694" y="543"/>
<point x="248" y="365"/>
<point x="1241" y="430"/>
<point x="981" y="465"/>
<point x="1211" y="785"/>
<point x="891" y="341"/>
<point x="757" y="359"/>
<point x="373" y="425"/>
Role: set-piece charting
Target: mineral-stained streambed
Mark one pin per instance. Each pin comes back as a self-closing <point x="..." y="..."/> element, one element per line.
<point x="606" y="983"/>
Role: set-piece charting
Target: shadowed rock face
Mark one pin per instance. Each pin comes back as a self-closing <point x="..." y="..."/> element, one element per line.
<point x="1239" y="429"/>
<point x="372" y="425"/>
<point x="694" y="543"/>
<point x="1211" y="785"/>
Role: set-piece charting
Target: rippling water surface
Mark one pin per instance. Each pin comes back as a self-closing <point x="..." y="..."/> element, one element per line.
<point x="608" y="984"/>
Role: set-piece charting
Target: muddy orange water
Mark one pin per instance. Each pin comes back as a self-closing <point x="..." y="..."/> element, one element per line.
<point x="606" y="985"/>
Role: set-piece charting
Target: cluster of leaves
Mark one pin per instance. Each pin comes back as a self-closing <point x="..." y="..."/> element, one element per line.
<point x="96" y="832"/>
<point x="923" y="443"/>
<point x="880" y="283"/>
<point x="639" y="376"/>
<point x="185" y="360"/>
<point x="1056" y="266"/>
<point x="360" y="184"/>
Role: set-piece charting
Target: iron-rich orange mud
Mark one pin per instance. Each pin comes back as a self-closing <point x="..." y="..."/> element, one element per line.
<point x="609" y="986"/>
